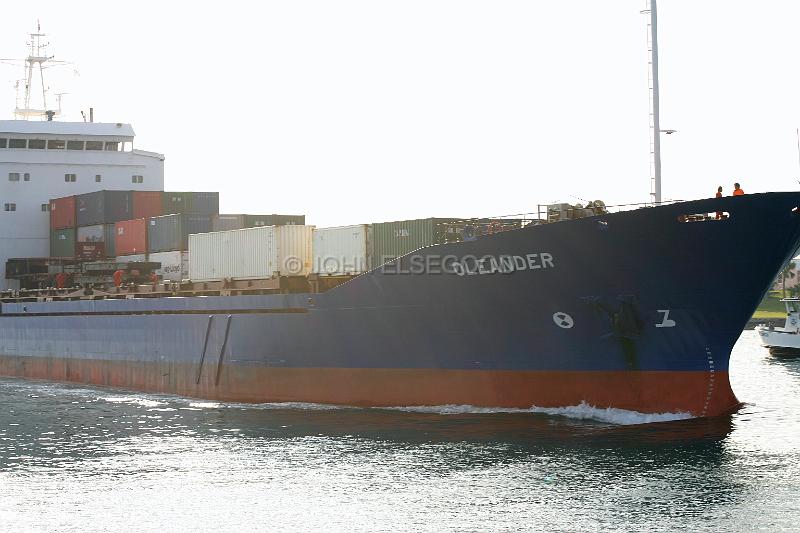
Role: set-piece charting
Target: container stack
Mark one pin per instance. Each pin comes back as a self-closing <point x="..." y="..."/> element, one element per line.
<point x="164" y="236"/>
<point x="62" y="227"/>
<point x="186" y="234"/>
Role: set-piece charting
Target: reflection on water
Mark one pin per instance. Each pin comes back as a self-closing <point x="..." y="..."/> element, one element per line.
<point x="80" y="459"/>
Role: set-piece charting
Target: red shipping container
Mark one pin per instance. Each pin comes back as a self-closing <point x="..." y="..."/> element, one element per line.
<point x="90" y="251"/>
<point x="147" y="204"/>
<point x="62" y="213"/>
<point x="130" y="236"/>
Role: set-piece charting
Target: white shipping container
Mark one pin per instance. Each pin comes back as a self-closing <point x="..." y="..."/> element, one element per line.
<point x="174" y="265"/>
<point x="94" y="233"/>
<point x="133" y="258"/>
<point x="341" y="250"/>
<point x="251" y="253"/>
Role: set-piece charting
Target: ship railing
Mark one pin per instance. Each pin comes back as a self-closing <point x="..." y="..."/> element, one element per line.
<point x="549" y="213"/>
<point x="466" y="229"/>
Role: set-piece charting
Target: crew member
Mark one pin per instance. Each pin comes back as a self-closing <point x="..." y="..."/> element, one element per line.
<point x="61" y="280"/>
<point x="153" y="278"/>
<point x="737" y="190"/>
<point x="719" y="195"/>
<point x="118" y="278"/>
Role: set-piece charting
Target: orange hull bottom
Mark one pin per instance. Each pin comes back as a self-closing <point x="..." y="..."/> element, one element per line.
<point x="698" y="393"/>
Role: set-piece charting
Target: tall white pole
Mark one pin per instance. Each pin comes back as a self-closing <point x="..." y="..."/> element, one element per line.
<point x="656" y="124"/>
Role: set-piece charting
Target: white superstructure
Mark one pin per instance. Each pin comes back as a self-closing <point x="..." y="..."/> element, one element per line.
<point x="44" y="160"/>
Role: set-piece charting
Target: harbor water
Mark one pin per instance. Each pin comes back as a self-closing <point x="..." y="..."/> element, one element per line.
<point x="74" y="458"/>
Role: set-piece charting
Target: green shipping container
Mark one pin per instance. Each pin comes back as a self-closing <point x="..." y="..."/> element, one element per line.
<point x="62" y="242"/>
<point x="393" y="239"/>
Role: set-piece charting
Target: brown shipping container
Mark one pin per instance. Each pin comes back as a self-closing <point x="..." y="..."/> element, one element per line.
<point x="130" y="237"/>
<point x="147" y="204"/>
<point x="62" y="213"/>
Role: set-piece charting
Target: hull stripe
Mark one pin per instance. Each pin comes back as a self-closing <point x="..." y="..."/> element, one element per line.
<point x="643" y="391"/>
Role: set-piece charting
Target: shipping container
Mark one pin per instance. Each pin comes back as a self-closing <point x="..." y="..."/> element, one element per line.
<point x="90" y="251"/>
<point x="251" y="253"/>
<point x="197" y="203"/>
<point x="103" y="207"/>
<point x="62" y="213"/>
<point x="341" y="250"/>
<point x="227" y="222"/>
<point x="62" y="242"/>
<point x="254" y="221"/>
<point x="174" y="265"/>
<point x="174" y="202"/>
<point x="147" y="204"/>
<point x="130" y="236"/>
<point x="393" y="239"/>
<point x="132" y="258"/>
<point x="171" y="232"/>
<point x="98" y="233"/>
<point x="203" y="203"/>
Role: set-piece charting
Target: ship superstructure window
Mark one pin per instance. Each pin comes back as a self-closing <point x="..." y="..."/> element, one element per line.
<point x="94" y="145"/>
<point x="137" y="179"/>
<point x="56" y="144"/>
<point x="17" y="143"/>
<point x="112" y="146"/>
<point x="27" y="176"/>
<point x="11" y="207"/>
<point x="45" y="207"/>
<point x="3" y="143"/>
<point x="74" y="145"/>
<point x="13" y="176"/>
<point x="98" y="178"/>
<point x="70" y="178"/>
<point x="36" y="144"/>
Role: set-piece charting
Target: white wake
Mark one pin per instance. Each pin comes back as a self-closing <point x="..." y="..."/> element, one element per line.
<point x="582" y="411"/>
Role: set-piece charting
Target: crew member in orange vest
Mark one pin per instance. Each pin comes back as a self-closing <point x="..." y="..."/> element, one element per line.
<point x="737" y="190"/>
<point x="117" y="278"/>
<point x="61" y="280"/>
<point x="719" y="195"/>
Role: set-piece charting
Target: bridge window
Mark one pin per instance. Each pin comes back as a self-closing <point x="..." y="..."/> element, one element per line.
<point x="98" y="178"/>
<point x="36" y="144"/>
<point x="45" y="207"/>
<point x="74" y="145"/>
<point x="11" y="207"/>
<point x="13" y="176"/>
<point x="17" y="143"/>
<point x="27" y="176"/>
<point x="137" y="179"/>
<point x="3" y="143"/>
<point x="70" y="178"/>
<point x="94" y="145"/>
<point x="56" y="144"/>
<point x="112" y="146"/>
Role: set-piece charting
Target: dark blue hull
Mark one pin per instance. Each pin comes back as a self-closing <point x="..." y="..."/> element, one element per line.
<point x="637" y="310"/>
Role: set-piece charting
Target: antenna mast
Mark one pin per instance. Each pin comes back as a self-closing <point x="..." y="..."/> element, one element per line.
<point x="655" y="126"/>
<point x="37" y="57"/>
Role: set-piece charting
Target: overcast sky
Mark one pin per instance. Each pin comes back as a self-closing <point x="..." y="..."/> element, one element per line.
<point x="364" y="111"/>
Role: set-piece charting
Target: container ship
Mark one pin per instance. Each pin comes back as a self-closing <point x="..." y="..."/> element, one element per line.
<point x="636" y="310"/>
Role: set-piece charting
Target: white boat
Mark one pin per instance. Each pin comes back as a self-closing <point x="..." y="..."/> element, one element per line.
<point x="785" y="340"/>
